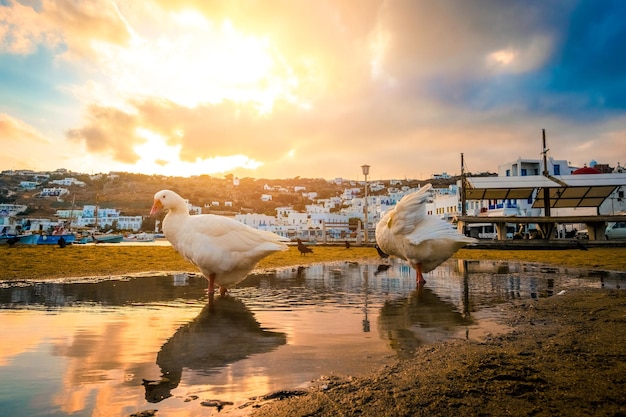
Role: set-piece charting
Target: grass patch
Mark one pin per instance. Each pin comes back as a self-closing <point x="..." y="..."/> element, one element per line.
<point x="45" y="262"/>
<point x="610" y="259"/>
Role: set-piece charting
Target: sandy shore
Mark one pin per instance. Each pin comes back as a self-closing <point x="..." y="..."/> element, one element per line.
<point x="565" y="355"/>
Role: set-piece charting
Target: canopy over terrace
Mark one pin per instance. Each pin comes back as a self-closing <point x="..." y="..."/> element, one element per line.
<point x="566" y="191"/>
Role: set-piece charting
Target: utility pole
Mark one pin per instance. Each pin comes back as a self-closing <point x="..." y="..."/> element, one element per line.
<point x="366" y="171"/>
<point x="546" y="173"/>
<point x="463" y="201"/>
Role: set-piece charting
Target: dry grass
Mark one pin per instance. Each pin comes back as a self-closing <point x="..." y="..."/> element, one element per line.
<point x="610" y="259"/>
<point x="44" y="262"/>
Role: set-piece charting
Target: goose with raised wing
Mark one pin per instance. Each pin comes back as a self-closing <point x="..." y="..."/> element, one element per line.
<point x="425" y="241"/>
<point x="224" y="249"/>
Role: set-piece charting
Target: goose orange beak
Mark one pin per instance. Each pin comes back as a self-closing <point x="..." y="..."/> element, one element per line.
<point x="156" y="207"/>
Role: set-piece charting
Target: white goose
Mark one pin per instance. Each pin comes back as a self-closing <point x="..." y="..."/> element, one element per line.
<point x="407" y="232"/>
<point x="223" y="249"/>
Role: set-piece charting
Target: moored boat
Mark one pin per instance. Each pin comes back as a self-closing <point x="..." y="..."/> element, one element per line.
<point x="139" y="237"/>
<point x="19" y="239"/>
<point x="108" y="238"/>
<point x="54" y="239"/>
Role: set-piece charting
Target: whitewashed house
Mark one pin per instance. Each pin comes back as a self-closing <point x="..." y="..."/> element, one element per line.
<point x="129" y="223"/>
<point x="376" y="186"/>
<point x="53" y="192"/>
<point x="68" y="182"/>
<point x="258" y="221"/>
<point x="107" y="217"/>
<point x="28" y="185"/>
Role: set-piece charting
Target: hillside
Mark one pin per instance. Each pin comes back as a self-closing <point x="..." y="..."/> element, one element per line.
<point x="132" y="194"/>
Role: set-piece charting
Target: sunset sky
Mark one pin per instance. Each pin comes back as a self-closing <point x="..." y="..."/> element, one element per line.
<point x="286" y="88"/>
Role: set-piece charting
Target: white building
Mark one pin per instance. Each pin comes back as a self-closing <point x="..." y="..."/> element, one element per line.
<point x="8" y="223"/>
<point x="523" y="167"/>
<point x="258" y="221"/>
<point x="68" y="182"/>
<point x="129" y="223"/>
<point x="28" y="185"/>
<point x="10" y="209"/>
<point x="107" y="217"/>
<point x="53" y="192"/>
<point x="376" y="186"/>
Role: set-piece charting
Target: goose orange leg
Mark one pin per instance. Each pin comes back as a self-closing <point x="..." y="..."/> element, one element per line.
<point x="211" y="284"/>
<point x="419" y="276"/>
<point x="223" y="290"/>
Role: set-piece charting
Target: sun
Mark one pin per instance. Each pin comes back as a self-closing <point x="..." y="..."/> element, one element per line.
<point x="197" y="61"/>
<point x="194" y="62"/>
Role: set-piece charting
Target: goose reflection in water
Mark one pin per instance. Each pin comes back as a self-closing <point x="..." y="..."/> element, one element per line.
<point x="223" y="333"/>
<point x="421" y="318"/>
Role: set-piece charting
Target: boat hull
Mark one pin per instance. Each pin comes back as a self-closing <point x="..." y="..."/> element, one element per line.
<point x="21" y="240"/>
<point x="142" y="237"/>
<point x="109" y="239"/>
<point x="54" y="239"/>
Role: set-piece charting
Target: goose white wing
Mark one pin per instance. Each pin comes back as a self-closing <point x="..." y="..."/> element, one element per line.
<point x="233" y="235"/>
<point x="408" y="214"/>
<point x="221" y="244"/>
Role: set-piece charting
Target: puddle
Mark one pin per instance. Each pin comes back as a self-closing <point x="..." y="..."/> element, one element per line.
<point x="118" y="346"/>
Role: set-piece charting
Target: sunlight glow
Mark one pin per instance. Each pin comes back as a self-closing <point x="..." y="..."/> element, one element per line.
<point x="526" y="55"/>
<point x="191" y="62"/>
<point x="502" y="57"/>
<point x="197" y="62"/>
<point x="157" y="157"/>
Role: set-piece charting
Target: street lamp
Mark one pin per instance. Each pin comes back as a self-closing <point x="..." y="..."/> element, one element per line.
<point x="366" y="171"/>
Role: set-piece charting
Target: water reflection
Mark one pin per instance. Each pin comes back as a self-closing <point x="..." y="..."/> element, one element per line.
<point x="119" y="291"/>
<point x="423" y="317"/>
<point x="223" y="333"/>
<point x="85" y="347"/>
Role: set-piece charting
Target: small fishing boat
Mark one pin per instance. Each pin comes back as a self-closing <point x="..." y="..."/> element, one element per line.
<point x="54" y="239"/>
<point x="140" y="237"/>
<point x="18" y="239"/>
<point x="108" y="238"/>
<point x="100" y="238"/>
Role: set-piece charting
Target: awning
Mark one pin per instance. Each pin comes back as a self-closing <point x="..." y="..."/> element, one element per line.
<point x="565" y="191"/>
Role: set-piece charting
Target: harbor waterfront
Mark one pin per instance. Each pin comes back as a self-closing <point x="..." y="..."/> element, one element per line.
<point x="48" y="261"/>
<point x="480" y="335"/>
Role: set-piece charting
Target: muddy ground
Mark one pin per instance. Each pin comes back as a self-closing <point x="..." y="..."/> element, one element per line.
<point x="565" y="356"/>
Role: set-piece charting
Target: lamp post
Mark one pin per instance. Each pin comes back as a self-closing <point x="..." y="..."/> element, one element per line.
<point x="366" y="171"/>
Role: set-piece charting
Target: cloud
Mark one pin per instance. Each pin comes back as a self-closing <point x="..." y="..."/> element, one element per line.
<point x="22" y="29"/>
<point x="61" y="24"/>
<point x="85" y="24"/>
<point x="589" y="64"/>
<point x="24" y="142"/>
<point x="13" y="130"/>
<point x="319" y="88"/>
<point x="109" y="131"/>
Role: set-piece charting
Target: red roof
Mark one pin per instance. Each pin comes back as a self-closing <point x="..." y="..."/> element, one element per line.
<point x="586" y="170"/>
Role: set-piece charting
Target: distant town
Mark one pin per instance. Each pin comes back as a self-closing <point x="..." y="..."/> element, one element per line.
<point x="314" y="210"/>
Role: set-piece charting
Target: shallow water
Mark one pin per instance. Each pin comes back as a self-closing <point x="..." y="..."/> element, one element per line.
<point x="117" y="346"/>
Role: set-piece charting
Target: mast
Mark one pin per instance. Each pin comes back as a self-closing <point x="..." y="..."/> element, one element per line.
<point x="463" y="198"/>
<point x="546" y="173"/>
